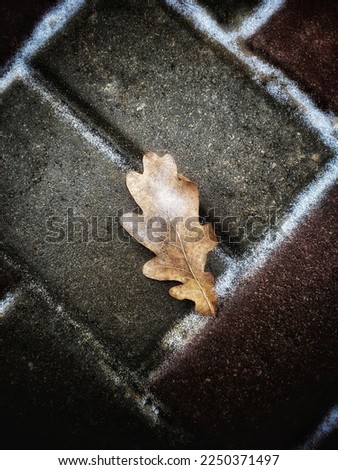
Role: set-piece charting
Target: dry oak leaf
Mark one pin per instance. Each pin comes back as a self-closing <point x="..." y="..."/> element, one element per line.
<point x="169" y="226"/>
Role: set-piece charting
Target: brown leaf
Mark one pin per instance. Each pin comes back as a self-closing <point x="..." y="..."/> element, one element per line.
<point x="169" y="226"/>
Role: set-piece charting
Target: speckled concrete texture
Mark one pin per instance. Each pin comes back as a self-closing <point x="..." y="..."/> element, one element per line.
<point x="53" y="395"/>
<point x="51" y="179"/>
<point x="302" y="39"/>
<point x="144" y="72"/>
<point x="93" y="353"/>
<point x="266" y="369"/>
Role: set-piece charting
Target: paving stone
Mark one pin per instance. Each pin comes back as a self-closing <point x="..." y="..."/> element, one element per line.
<point x="54" y="398"/>
<point x="302" y="40"/>
<point x="49" y="169"/>
<point x="143" y="70"/>
<point x="18" y="19"/>
<point x="230" y="12"/>
<point x="264" y="372"/>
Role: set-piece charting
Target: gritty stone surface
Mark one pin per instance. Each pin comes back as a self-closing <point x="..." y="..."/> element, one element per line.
<point x="52" y="394"/>
<point x="264" y="373"/>
<point x="302" y="39"/>
<point x="49" y="169"/>
<point x="230" y="12"/>
<point x="146" y="73"/>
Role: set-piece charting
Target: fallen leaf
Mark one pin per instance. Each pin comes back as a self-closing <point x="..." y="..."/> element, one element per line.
<point x="169" y="226"/>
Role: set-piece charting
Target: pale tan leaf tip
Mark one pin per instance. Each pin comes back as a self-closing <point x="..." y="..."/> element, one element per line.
<point x="169" y="226"/>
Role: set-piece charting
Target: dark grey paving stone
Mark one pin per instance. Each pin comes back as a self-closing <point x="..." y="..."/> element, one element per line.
<point x="145" y="72"/>
<point x="48" y="168"/>
<point x="230" y="12"/>
<point x="53" y="397"/>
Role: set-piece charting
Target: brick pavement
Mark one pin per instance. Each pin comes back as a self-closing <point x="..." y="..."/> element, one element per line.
<point x="119" y="79"/>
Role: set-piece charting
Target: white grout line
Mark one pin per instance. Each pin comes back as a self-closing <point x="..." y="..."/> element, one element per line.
<point x="206" y="23"/>
<point x="284" y="90"/>
<point x="279" y="86"/>
<point x="6" y="303"/>
<point x="51" y="23"/>
<point x="185" y="330"/>
<point x="236" y="271"/>
<point x="117" y="375"/>
<point x="177" y="338"/>
<point x="259" y="17"/>
<point x="302" y="206"/>
<point x="67" y="116"/>
<point x="324" y="429"/>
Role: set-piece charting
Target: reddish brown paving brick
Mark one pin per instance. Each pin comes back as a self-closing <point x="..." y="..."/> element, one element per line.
<point x="18" y="20"/>
<point x="265" y="370"/>
<point x="302" y="39"/>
